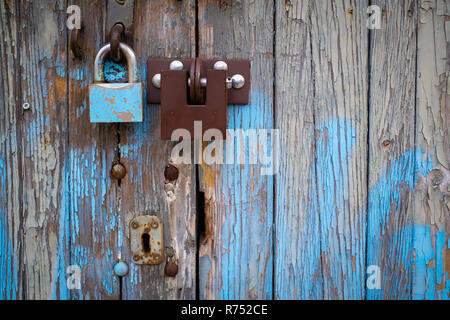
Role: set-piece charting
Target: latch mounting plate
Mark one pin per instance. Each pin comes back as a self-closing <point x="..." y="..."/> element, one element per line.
<point x="147" y="242"/>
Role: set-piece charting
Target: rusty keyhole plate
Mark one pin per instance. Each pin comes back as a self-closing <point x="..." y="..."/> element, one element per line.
<point x="146" y="236"/>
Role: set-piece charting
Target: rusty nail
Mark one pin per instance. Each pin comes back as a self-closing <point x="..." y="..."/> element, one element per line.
<point x="134" y="225"/>
<point x="118" y="171"/>
<point x="171" y="269"/>
<point x="171" y="172"/>
<point x="386" y="143"/>
<point x="136" y="257"/>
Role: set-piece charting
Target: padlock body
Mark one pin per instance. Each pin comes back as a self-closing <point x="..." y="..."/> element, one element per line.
<point x="116" y="102"/>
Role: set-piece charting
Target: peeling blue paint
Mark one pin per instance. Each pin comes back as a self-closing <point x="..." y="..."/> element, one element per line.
<point x="342" y="251"/>
<point x="429" y="265"/>
<point x="246" y="263"/>
<point x="385" y="199"/>
<point x="8" y="260"/>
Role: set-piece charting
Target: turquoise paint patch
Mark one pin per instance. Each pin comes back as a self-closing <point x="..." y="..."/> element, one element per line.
<point x="342" y="250"/>
<point x="429" y="265"/>
<point x="116" y="102"/>
<point x="247" y="259"/>
<point x="8" y="261"/>
<point x="385" y="197"/>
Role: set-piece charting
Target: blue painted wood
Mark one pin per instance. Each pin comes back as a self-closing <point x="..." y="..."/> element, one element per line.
<point x="92" y="196"/>
<point x="392" y="157"/>
<point x="311" y="232"/>
<point x="339" y="44"/>
<point x="236" y="248"/>
<point x="10" y="155"/>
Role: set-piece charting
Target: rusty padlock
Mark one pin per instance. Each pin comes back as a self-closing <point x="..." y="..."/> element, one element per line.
<point x="116" y="102"/>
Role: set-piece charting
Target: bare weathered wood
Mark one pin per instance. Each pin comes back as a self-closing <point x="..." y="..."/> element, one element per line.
<point x="11" y="186"/>
<point x="339" y="40"/>
<point x="391" y="149"/>
<point x="298" y="273"/>
<point x="92" y="195"/>
<point x="44" y="145"/>
<point x="162" y="29"/>
<point x="236" y="256"/>
<point x="432" y="218"/>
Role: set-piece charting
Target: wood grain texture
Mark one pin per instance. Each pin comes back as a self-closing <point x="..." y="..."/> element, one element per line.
<point x="162" y="29"/>
<point x="11" y="184"/>
<point x="339" y="40"/>
<point x="298" y="272"/>
<point x="391" y="148"/>
<point x="431" y="278"/>
<point x="236" y="255"/>
<point x="364" y="154"/>
<point x="44" y="131"/>
<point x="92" y="149"/>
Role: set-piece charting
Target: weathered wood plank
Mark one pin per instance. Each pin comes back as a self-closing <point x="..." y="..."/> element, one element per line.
<point x="92" y="149"/>
<point x="44" y="136"/>
<point x="298" y="273"/>
<point x="236" y="249"/>
<point x="339" y="40"/>
<point x="11" y="185"/>
<point x="431" y="278"/>
<point x="162" y="29"/>
<point x="391" y="149"/>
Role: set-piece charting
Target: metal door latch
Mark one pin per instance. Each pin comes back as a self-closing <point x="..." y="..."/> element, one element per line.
<point x="196" y="90"/>
<point x="146" y="236"/>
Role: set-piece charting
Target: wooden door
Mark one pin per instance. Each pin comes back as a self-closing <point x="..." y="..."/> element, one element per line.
<point x="357" y="209"/>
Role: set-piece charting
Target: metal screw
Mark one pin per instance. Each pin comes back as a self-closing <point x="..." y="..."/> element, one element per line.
<point x="156" y="256"/>
<point x="118" y="171"/>
<point x="134" y="225"/>
<point x="171" y="172"/>
<point x="237" y="81"/>
<point x="121" y="269"/>
<point x="156" y="80"/>
<point x="171" y="269"/>
<point x="220" y="65"/>
<point x="155" y="224"/>
<point x="176" y="65"/>
<point x="26" y="106"/>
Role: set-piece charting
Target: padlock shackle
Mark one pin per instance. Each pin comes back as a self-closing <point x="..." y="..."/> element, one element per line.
<point x="99" y="64"/>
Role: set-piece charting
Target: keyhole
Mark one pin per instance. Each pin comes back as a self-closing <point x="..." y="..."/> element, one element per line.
<point x="146" y="242"/>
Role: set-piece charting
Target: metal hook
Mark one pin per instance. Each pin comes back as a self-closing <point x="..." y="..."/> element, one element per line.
<point x="74" y="45"/>
<point x="116" y="32"/>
